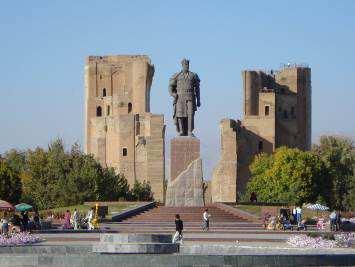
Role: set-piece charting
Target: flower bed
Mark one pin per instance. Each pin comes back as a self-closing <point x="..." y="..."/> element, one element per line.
<point x="18" y="239"/>
<point x="322" y="241"/>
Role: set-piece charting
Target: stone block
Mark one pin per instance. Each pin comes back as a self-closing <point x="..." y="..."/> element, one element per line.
<point x="135" y="238"/>
<point x="183" y="150"/>
<point x="186" y="190"/>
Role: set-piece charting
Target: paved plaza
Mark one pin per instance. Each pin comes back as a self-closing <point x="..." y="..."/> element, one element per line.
<point x="234" y="239"/>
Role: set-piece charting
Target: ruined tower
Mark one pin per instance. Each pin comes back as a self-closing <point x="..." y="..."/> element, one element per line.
<point x="277" y="107"/>
<point x="120" y="131"/>
<point x="277" y="112"/>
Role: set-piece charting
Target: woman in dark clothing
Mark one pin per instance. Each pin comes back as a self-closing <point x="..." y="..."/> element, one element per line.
<point x="338" y="221"/>
<point x="179" y="226"/>
<point x="37" y="221"/>
<point x="25" y="220"/>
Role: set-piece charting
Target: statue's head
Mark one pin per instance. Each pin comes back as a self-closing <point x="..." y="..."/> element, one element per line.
<point x="185" y="63"/>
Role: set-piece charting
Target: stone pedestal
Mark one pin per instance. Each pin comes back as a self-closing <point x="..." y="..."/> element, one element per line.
<point x="183" y="150"/>
<point x="185" y="188"/>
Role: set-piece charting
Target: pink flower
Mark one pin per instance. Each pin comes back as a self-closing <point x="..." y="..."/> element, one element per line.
<point x="18" y="239"/>
<point x="304" y="241"/>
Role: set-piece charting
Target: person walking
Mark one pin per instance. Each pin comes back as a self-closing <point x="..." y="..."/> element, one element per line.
<point x="206" y="220"/>
<point x="179" y="226"/>
<point x="75" y="219"/>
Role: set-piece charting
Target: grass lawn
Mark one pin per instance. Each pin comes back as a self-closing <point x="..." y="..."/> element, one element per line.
<point x="256" y="210"/>
<point x="306" y="213"/>
<point x="112" y="207"/>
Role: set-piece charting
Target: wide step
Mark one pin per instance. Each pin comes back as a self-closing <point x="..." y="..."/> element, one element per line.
<point x="161" y="220"/>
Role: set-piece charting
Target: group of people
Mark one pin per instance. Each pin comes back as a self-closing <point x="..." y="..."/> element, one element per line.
<point x="73" y="221"/>
<point x="179" y="226"/>
<point x="290" y="219"/>
<point x="287" y="220"/>
<point x="16" y="223"/>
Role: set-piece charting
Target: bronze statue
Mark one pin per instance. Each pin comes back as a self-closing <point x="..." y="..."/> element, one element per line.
<point x="184" y="86"/>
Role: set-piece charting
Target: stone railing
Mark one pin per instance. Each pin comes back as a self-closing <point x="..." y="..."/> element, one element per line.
<point x="237" y="212"/>
<point x="133" y="211"/>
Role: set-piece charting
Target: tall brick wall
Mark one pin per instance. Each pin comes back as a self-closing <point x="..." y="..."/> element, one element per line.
<point x="277" y="112"/>
<point x="124" y="134"/>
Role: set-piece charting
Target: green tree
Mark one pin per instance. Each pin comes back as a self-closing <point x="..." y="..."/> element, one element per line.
<point x="141" y="191"/>
<point x="338" y="156"/>
<point x="16" y="159"/>
<point x="112" y="186"/>
<point x="122" y="187"/>
<point x="58" y="168"/>
<point x="39" y="186"/>
<point x="350" y="200"/>
<point x="46" y="175"/>
<point x="82" y="178"/>
<point x="10" y="183"/>
<point x="54" y="177"/>
<point x="288" y="175"/>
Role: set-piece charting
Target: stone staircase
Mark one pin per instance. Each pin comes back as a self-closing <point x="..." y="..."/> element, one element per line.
<point x="227" y="224"/>
<point x="160" y="220"/>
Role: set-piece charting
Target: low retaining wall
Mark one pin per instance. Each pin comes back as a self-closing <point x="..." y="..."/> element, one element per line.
<point x="189" y="255"/>
<point x="281" y="204"/>
<point x="133" y="211"/>
<point x="177" y="260"/>
<point x="240" y="213"/>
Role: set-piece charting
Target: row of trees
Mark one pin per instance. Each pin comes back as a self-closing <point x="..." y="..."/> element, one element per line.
<point x="325" y="174"/>
<point x="54" y="178"/>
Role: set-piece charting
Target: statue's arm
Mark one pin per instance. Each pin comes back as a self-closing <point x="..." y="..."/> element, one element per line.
<point x="172" y="85"/>
<point x="197" y="90"/>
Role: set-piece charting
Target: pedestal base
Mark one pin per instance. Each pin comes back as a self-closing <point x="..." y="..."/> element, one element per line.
<point x="185" y="188"/>
<point x="183" y="151"/>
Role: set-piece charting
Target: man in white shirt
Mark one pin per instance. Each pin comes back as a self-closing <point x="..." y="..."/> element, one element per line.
<point x="298" y="214"/>
<point x="206" y="220"/>
<point x="333" y="218"/>
<point x="294" y="215"/>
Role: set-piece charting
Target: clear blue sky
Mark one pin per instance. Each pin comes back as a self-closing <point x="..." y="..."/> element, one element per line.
<point x="43" y="45"/>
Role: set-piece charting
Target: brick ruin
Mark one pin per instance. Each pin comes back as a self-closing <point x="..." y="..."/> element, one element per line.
<point x="120" y="130"/>
<point x="277" y="112"/>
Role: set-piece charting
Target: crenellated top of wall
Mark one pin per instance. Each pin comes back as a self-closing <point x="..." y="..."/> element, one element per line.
<point x="117" y="58"/>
